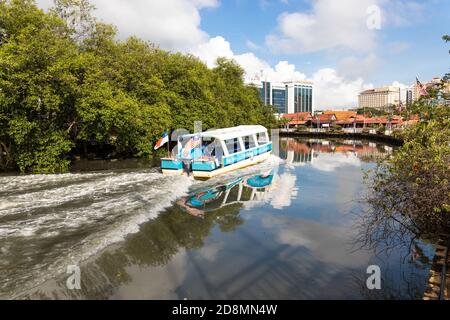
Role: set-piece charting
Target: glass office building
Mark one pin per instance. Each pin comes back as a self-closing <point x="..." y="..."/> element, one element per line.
<point x="279" y="100"/>
<point x="289" y="97"/>
<point x="266" y="93"/>
<point x="303" y="100"/>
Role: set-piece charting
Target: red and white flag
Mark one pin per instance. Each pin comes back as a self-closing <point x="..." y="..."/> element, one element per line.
<point x="162" y="141"/>
<point x="422" y="88"/>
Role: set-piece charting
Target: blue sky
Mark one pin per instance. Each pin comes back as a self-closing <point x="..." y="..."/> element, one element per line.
<point x="344" y="46"/>
<point x="405" y="51"/>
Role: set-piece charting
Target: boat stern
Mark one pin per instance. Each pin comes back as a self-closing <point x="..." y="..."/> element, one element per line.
<point x="171" y="166"/>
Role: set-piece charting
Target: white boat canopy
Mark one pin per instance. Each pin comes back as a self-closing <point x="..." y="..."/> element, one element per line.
<point x="229" y="133"/>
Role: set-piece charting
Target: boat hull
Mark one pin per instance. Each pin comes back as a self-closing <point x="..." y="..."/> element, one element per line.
<point x="209" y="174"/>
<point x="172" y="172"/>
<point x="235" y="166"/>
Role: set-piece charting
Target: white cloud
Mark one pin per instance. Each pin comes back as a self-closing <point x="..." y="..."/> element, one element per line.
<point x="352" y="67"/>
<point x="252" y="65"/>
<point x="401" y="13"/>
<point x="330" y="162"/>
<point x="334" y="25"/>
<point x="328" y="244"/>
<point x="171" y="24"/>
<point x="333" y="90"/>
<point x="210" y="251"/>
<point x="255" y="68"/>
<point x="284" y="71"/>
<point x="252" y="46"/>
<point x="330" y="24"/>
<point x="210" y="50"/>
<point x="399" y="84"/>
<point x="283" y="192"/>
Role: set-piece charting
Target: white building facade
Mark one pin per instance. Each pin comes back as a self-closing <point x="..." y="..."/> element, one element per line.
<point x="379" y="98"/>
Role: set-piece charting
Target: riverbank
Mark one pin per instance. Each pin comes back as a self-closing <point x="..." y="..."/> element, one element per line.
<point x="344" y="135"/>
<point x="438" y="287"/>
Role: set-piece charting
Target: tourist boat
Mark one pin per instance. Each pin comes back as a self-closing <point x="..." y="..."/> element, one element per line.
<point x="210" y="153"/>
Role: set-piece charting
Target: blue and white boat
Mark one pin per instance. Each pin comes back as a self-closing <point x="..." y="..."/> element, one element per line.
<point x="210" y="153"/>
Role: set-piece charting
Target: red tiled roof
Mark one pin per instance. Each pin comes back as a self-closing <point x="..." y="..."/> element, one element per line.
<point x="342" y="122"/>
<point x="383" y="120"/>
<point x="342" y="115"/>
<point x="297" y="122"/>
<point x="324" y="118"/>
<point x="299" y="118"/>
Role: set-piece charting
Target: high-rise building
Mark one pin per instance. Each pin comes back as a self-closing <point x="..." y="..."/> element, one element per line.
<point x="409" y="97"/>
<point x="379" y="98"/>
<point x="288" y="97"/>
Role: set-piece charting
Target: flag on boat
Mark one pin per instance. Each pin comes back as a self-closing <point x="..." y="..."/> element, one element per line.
<point x="162" y="141"/>
<point x="422" y="89"/>
<point x="193" y="143"/>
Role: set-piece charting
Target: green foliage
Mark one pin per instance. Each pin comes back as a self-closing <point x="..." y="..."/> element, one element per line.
<point x="66" y="84"/>
<point x="301" y="128"/>
<point x="372" y="112"/>
<point x="446" y="38"/>
<point x="381" y="130"/>
<point x="410" y="192"/>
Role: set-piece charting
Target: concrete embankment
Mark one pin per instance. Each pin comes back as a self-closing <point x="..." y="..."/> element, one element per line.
<point x="345" y="135"/>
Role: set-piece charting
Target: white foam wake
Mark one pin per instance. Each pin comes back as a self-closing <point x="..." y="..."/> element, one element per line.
<point x="43" y="231"/>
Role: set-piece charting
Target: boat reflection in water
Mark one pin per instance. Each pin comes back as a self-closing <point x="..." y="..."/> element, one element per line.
<point x="238" y="190"/>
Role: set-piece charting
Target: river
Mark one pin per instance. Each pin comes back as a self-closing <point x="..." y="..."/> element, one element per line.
<point x="136" y="234"/>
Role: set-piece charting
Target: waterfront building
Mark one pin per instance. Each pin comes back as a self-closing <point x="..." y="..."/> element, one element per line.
<point x="360" y="121"/>
<point x="379" y="98"/>
<point x="297" y="119"/>
<point x="323" y="120"/>
<point x="346" y="120"/>
<point x="288" y="97"/>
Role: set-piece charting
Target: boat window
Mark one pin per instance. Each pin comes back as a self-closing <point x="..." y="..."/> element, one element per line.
<point x="249" y="142"/>
<point x="233" y="145"/>
<point x="213" y="149"/>
<point x="262" y="138"/>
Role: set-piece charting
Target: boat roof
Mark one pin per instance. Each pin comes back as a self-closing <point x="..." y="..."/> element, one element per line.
<point x="229" y="133"/>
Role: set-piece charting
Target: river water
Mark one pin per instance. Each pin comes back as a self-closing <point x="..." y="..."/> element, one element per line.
<point x="136" y="234"/>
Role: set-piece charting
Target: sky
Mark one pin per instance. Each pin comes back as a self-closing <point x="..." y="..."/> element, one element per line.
<point x="343" y="46"/>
